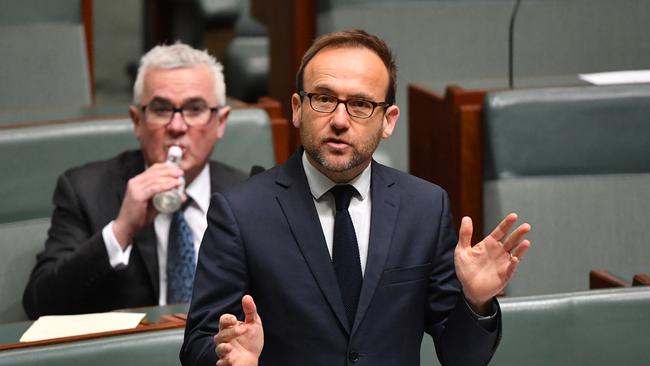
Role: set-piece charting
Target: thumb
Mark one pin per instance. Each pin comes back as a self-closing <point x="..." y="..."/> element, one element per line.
<point x="250" y="310"/>
<point x="465" y="232"/>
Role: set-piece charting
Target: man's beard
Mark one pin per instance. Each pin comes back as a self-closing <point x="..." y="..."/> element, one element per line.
<point x="360" y="154"/>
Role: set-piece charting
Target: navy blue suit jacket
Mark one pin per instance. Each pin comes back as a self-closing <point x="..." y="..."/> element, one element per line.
<point x="264" y="238"/>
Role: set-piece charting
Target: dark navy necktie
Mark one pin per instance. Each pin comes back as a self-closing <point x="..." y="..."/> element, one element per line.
<point x="180" y="258"/>
<point x="345" y="252"/>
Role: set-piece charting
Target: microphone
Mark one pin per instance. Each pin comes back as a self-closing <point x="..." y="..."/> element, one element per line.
<point x="511" y="32"/>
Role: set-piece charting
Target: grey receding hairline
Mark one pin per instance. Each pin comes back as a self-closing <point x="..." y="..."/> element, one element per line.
<point x="174" y="56"/>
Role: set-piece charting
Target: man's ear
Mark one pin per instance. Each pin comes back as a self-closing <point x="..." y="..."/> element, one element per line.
<point x="222" y="118"/>
<point x="138" y="120"/>
<point x="389" y="121"/>
<point x="296" y="110"/>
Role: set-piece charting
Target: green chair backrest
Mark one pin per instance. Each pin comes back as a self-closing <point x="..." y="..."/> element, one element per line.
<point x="34" y="157"/>
<point x="19" y="243"/>
<point x="574" y="163"/>
<point x="598" y="327"/>
<point x="154" y="348"/>
<point x="43" y="65"/>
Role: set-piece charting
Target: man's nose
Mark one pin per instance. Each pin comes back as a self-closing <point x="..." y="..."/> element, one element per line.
<point x="177" y="122"/>
<point x="340" y="117"/>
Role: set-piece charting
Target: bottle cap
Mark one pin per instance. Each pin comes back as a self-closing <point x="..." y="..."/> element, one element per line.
<point x="175" y="152"/>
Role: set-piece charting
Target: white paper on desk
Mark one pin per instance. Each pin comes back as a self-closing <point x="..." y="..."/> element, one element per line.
<point x="56" y="326"/>
<point x="617" y="77"/>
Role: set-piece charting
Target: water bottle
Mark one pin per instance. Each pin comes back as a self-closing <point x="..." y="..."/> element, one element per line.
<point x="170" y="201"/>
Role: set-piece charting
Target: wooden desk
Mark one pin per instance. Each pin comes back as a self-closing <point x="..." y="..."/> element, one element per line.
<point x="157" y="318"/>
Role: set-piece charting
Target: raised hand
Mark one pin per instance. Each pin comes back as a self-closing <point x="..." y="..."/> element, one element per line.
<point x="485" y="268"/>
<point x="137" y="209"/>
<point x="240" y="343"/>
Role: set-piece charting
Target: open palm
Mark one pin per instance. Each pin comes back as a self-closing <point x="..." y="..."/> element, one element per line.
<point x="484" y="269"/>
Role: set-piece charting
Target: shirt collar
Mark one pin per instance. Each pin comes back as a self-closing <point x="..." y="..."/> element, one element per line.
<point x="319" y="184"/>
<point x="199" y="189"/>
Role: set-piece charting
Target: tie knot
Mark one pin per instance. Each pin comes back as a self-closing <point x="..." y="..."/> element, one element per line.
<point x="342" y="196"/>
<point x="186" y="204"/>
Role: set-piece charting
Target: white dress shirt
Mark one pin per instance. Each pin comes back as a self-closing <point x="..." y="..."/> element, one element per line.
<point x="360" y="206"/>
<point x="195" y="214"/>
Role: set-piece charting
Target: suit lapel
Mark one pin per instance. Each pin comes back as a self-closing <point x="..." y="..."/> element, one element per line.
<point x="295" y="200"/>
<point x="145" y="240"/>
<point x="385" y="205"/>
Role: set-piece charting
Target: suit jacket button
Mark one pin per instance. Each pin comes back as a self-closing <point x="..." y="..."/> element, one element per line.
<point x="353" y="356"/>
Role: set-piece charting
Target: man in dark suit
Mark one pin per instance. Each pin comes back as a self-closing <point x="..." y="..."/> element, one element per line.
<point x="108" y="247"/>
<point x="337" y="279"/>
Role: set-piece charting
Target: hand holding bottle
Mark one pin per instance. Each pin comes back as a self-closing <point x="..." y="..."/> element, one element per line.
<point x="137" y="208"/>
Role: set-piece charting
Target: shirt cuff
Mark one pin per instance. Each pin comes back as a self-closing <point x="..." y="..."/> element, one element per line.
<point x="487" y="322"/>
<point x="116" y="256"/>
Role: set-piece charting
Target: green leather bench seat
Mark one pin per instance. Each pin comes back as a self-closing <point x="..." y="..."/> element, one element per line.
<point x="568" y="131"/>
<point x="42" y="153"/>
<point x="36" y="156"/>
<point x="574" y="163"/>
<point x="155" y="348"/>
<point x="598" y="327"/>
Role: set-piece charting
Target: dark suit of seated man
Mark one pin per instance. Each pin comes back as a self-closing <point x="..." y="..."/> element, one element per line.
<point x="108" y="247"/>
<point x="346" y="260"/>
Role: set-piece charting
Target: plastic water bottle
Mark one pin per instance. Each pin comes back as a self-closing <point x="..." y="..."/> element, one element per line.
<point x="170" y="201"/>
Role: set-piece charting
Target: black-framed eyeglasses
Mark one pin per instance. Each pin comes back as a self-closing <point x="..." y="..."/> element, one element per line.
<point x="194" y="114"/>
<point x="356" y="107"/>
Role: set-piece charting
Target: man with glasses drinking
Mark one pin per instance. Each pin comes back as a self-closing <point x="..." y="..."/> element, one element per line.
<point x="344" y="260"/>
<point x="108" y="246"/>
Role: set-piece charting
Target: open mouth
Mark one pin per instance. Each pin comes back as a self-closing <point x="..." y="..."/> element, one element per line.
<point x="336" y="143"/>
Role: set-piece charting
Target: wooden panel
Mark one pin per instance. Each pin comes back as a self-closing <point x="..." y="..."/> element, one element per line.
<point x="427" y="154"/>
<point x="291" y="26"/>
<point x="641" y="279"/>
<point x="87" y="18"/>
<point x="167" y="322"/>
<point x="470" y="198"/>
<point x="600" y="278"/>
<point x="446" y="146"/>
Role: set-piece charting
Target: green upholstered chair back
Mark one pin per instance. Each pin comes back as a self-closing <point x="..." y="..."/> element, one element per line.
<point x="34" y="157"/>
<point x="574" y="163"/>
<point x="19" y="243"/>
<point x="598" y="327"/>
<point x="155" y="348"/>
<point x="43" y="66"/>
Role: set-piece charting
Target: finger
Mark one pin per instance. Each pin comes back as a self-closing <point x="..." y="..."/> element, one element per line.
<point x="516" y="237"/>
<point x="228" y="334"/>
<point x="226" y="321"/>
<point x="223" y="349"/>
<point x="250" y="310"/>
<point x="504" y="226"/>
<point x="164" y="168"/>
<point x="521" y="249"/>
<point x="465" y="232"/>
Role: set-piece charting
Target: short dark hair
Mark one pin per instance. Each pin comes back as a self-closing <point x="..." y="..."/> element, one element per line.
<point x="353" y="38"/>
